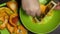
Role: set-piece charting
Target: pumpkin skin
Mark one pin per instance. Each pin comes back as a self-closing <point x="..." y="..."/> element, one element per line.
<point x="48" y="23"/>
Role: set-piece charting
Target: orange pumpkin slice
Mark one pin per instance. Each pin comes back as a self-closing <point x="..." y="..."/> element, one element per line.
<point x="13" y="19"/>
<point x="10" y="28"/>
<point x="43" y="8"/>
<point x="12" y="5"/>
<point x="20" y="30"/>
<point x="3" y="18"/>
<point x="16" y="30"/>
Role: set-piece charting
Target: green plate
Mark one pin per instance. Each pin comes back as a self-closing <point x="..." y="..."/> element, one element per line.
<point x="44" y="2"/>
<point x="41" y="33"/>
<point x="4" y="31"/>
<point x="48" y="23"/>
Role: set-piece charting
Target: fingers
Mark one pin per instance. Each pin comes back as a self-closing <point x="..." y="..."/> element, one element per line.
<point x="24" y="4"/>
<point x="30" y="12"/>
<point x="34" y="12"/>
<point x="31" y="7"/>
<point x="38" y="13"/>
<point x="58" y="6"/>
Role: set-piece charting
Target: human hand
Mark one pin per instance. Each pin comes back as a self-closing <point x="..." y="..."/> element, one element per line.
<point x="32" y="7"/>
